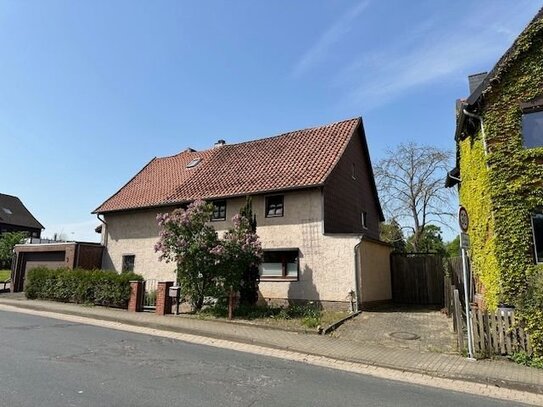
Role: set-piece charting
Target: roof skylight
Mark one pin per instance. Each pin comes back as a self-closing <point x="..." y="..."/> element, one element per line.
<point x="194" y="163"/>
<point x="8" y="211"/>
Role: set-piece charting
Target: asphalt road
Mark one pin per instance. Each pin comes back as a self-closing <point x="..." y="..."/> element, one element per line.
<point x="48" y="362"/>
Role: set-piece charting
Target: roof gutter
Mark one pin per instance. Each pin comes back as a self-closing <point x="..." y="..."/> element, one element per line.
<point x="480" y="118"/>
<point x="104" y="230"/>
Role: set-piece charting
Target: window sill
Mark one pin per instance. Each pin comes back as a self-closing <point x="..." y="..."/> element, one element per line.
<point x="218" y="220"/>
<point x="278" y="279"/>
<point x="274" y="216"/>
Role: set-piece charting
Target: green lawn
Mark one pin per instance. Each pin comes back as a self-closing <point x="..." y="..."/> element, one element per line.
<point x="5" y="275"/>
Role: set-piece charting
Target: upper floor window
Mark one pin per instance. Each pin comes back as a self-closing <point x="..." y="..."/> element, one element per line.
<point x="219" y="210"/>
<point x="274" y="206"/>
<point x="128" y="263"/>
<point x="537" y="230"/>
<point x="532" y="129"/>
<point x="364" y="217"/>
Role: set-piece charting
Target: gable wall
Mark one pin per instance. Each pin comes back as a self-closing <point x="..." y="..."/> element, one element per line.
<point x="345" y="198"/>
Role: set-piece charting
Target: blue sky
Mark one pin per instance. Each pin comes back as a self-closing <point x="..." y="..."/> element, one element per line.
<point x="91" y="91"/>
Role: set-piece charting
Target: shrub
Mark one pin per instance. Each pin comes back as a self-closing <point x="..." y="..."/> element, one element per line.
<point x="80" y="286"/>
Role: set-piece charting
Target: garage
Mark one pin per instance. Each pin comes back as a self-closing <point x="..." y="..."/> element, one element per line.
<point x="53" y="255"/>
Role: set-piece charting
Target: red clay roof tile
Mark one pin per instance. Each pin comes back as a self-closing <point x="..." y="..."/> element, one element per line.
<point x="293" y="160"/>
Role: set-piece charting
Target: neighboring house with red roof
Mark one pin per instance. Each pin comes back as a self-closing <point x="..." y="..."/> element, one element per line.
<point x="314" y="197"/>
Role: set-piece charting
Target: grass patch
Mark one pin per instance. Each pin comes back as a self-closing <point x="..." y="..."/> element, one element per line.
<point x="294" y="317"/>
<point x="5" y="275"/>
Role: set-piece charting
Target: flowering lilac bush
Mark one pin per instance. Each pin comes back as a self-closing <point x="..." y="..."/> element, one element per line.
<point x="207" y="265"/>
<point x="239" y="249"/>
<point x="187" y="240"/>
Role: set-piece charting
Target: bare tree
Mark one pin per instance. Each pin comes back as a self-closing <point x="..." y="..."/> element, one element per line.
<point x="411" y="186"/>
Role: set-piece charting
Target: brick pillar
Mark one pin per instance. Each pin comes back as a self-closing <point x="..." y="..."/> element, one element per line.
<point x="135" y="303"/>
<point x="163" y="300"/>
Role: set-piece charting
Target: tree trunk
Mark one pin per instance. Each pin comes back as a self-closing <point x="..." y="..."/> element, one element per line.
<point x="230" y="304"/>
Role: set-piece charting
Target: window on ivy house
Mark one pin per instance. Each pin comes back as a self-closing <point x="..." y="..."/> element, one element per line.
<point x="128" y="263"/>
<point x="274" y="206"/>
<point x="219" y="210"/>
<point x="280" y="264"/>
<point x="532" y="129"/>
<point x="537" y="230"/>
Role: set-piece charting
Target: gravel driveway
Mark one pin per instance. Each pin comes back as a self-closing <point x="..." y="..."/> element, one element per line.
<point x="420" y="329"/>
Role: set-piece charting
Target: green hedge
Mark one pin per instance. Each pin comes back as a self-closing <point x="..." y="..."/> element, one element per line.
<point x="80" y="286"/>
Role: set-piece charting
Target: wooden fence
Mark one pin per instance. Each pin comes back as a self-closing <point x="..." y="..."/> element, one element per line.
<point x="497" y="333"/>
<point x="494" y="333"/>
<point x="417" y="278"/>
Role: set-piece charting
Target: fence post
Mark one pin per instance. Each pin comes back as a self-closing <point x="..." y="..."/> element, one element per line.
<point x="136" y="296"/>
<point x="458" y="319"/>
<point x="163" y="300"/>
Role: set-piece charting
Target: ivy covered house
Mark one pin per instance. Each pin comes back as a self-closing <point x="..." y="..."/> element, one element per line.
<point x="499" y="172"/>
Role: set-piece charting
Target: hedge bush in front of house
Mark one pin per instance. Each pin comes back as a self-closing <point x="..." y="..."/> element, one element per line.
<point x="80" y="286"/>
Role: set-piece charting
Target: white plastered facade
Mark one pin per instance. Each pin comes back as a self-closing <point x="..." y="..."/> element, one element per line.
<point x="326" y="263"/>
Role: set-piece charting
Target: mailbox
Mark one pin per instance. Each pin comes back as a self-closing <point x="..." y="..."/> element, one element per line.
<point x="174" y="291"/>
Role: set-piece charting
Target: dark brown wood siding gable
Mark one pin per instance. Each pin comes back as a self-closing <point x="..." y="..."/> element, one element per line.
<point x="345" y="197"/>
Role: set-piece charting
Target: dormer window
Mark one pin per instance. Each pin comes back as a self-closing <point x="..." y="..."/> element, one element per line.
<point x="194" y="163"/>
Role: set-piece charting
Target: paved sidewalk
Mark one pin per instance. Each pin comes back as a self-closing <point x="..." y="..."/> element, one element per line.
<point x="492" y="372"/>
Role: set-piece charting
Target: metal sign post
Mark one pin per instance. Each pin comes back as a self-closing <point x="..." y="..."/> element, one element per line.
<point x="463" y="221"/>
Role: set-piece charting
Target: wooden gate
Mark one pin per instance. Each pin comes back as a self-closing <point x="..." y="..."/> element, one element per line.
<point x="417" y="278"/>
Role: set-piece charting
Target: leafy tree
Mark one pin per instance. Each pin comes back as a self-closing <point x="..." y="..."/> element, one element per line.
<point x="8" y="240"/>
<point x="430" y="241"/>
<point x="187" y="239"/>
<point x="392" y="233"/>
<point x="453" y="247"/>
<point x="410" y="180"/>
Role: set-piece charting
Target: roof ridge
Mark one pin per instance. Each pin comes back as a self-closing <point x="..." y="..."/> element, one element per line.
<point x="13" y="196"/>
<point x="322" y="126"/>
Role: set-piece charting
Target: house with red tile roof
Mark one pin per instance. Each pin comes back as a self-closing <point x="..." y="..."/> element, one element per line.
<point x="315" y="200"/>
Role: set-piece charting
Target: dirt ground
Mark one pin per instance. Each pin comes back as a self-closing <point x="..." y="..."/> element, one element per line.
<point x="416" y="328"/>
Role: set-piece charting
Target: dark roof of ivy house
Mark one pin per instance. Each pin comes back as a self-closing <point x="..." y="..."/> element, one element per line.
<point x="13" y="212"/>
<point x="294" y="160"/>
<point x="476" y="99"/>
<point x="503" y="64"/>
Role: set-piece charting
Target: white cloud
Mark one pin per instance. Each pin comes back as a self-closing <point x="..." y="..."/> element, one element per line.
<point x="428" y="54"/>
<point x="331" y="36"/>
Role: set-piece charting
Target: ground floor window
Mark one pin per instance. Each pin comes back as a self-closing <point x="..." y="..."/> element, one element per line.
<point x="537" y="228"/>
<point x="128" y="263"/>
<point x="282" y="263"/>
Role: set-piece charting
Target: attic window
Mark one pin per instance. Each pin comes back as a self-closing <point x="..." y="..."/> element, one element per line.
<point x="194" y="163"/>
<point x="8" y="211"/>
<point x="532" y="129"/>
